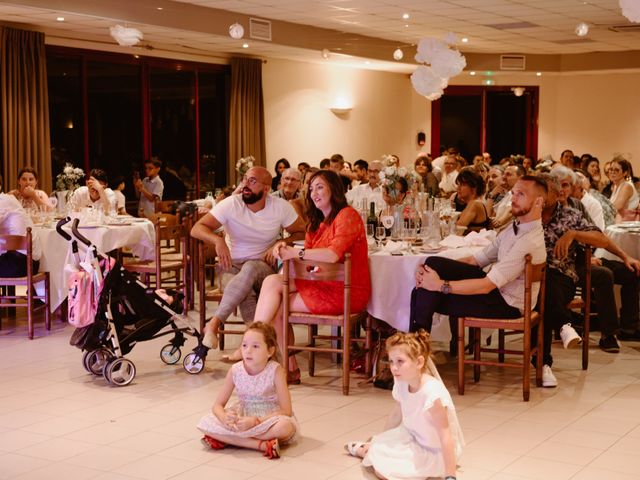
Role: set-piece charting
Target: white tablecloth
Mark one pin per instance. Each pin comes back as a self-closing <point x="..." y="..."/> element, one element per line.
<point x="393" y="278"/>
<point x="139" y="236"/>
<point x="627" y="236"/>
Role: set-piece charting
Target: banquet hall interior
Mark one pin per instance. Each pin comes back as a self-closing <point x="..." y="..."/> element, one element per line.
<point x="334" y="76"/>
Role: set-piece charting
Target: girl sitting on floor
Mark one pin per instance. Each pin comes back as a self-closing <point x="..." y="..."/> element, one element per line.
<point x="423" y="438"/>
<point x="263" y="417"/>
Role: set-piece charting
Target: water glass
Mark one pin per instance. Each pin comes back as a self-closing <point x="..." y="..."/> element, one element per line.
<point x="380" y="234"/>
<point x="370" y="232"/>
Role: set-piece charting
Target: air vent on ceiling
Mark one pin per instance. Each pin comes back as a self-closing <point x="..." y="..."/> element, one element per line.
<point x="512" y="25"/>
<point x="625" y="28"/>
<point x="260" y="29"/>
<point x="512" y="62"/>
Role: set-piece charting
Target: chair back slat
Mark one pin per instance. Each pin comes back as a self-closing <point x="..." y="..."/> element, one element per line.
<point x="13" y="242"/>
<point x="322" y="271"/>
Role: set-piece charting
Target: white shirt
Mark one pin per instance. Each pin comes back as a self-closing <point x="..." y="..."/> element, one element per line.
<point x="594" y="209"/>
<point x="14" y="221"/>
<point x="506" y="254"/>
<point x="155" y="187"/>
<point x="250" y="234"/>
<point x="81" y="198"/>
<point x="120" y="200"/>
<point x="503" y="207"/>
<point x="448" y="182"/>
<point x="356" y="195"/>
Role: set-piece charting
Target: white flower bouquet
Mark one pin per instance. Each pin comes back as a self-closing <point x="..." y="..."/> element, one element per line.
<point x="70" y="178"/>
<point x="244" y="164"/>
<point x="390" y="176"/>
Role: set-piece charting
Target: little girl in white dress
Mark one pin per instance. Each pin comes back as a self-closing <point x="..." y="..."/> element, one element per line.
<point x="423" y="437"/>
<point x="263" y="417"/>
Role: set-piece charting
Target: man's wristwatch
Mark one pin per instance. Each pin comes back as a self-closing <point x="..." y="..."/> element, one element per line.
<point x="446" y="289"/>
<point x="301" y="254"/>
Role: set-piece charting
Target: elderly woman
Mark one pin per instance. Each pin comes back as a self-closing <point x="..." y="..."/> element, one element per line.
<point x="334" y="229"/>
<point x="470" y="190"/>
<point x="289" y="185"/>
<point x="624" y="195"/>
<point x="27" y="193"/>
<point x="423" y="168"/>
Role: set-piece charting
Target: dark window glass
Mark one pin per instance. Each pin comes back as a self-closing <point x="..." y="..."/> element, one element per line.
<point x="173" y="129"/>
<point x="506" y="124"/>
<point x="115" y="120"/>
<point x="65" y="113"/>
<point x="461" y="119"/>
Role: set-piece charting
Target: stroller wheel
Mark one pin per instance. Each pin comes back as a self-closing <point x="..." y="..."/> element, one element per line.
<point x="170" y="354"/>
<point x="120" y="372"/>
<point x="193" y="363"/>
<point x="97" y="359"/>
<point x="85" y="358"/>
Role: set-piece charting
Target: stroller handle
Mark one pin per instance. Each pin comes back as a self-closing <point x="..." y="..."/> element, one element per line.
<point x="60" y="231"/>
<point x="77" y="234"/>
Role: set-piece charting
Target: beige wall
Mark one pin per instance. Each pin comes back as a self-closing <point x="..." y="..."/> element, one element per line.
<point x="590" y="112"/>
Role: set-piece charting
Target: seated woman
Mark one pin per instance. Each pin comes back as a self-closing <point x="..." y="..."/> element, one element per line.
<point x="423" y="168"/>
<point x="624" y="195"/>
<point x="95" y="194"/>
<point x="470" y="190"/>
<point x="27" y="193"/>
<point x="14" y="221"/>
<point x="334" y="229"/>
<point x="300" y="204"/>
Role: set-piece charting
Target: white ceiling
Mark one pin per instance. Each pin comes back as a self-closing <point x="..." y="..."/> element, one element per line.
<point x="546" y="26"/>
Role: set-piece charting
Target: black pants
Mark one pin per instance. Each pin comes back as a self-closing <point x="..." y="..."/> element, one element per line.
<point x="602" y="280"/>
<point x="424" y="303"/>
<point x="559" y="291"/>
<point x="629" y="295"/>
<point x="14" y="264"/>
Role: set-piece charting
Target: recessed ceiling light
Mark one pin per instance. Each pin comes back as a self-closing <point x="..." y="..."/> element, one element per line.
<point x="367" y="62"/>
<point x="136" y="56"/>
<point x="538" y="74"/>
<point x="159" y="8"/>
<point x="245" y="45"/>
<point x="60" y="19"/>
<point x="465" y="40"/>
<point x="406" y="25"/>
<point x="472" y="73"/>
<point x="406" y="16"/>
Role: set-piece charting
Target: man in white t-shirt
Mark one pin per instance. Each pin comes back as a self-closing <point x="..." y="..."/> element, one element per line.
<point x="370" y="191"/>
<point x="252" y="223"/>
<point x="95" y="193"/>
<point x="150" y="188"/>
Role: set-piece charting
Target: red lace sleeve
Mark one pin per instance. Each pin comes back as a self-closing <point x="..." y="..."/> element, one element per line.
<point x="347" y="228"/>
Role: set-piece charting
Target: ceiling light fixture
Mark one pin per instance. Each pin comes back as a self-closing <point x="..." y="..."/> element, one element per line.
<point x="406" y="16"/>
<point x="159" y="8"/>
<point x="465" y="40"/>
<point x="398" y="54"/>
<point x="325" y="53"/>
<point x="126" y="36"/>
<point x="582" y="29"/>
<point x="406" y="25"/>
<point x="472" y="73"/>
<point x="538" y="74"/>
<point x="518" y="91"/>
<point x="245" y="45"/>
<point x="60" y="19"/>
<point x="236" y="31"/>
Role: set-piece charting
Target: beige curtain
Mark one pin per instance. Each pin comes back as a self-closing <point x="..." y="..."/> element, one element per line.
<point x="246" y="119"/>
<point x="24" y="106"/>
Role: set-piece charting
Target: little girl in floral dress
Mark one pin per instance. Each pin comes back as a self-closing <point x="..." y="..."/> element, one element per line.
<point x="422" y="438"/>
<point x="263" y="417"/>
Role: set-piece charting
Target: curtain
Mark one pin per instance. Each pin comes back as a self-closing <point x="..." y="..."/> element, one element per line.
<point x="24" y="106"/>
<point x="246" y="118"/>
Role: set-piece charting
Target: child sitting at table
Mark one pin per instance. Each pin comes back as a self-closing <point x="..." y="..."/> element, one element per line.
<point x="423" y="438"/>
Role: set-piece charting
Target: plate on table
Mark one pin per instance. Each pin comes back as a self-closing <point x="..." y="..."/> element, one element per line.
<point x="428" y="249"/>
<point x="90" y="226"/>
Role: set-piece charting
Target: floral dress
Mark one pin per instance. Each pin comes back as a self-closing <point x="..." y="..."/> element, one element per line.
<point x="256" y="398"/>
<point x="412" y="450"/>
<point x="345" y="234"/>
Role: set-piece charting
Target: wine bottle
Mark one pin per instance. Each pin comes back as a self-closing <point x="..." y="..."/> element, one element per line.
<point x="371" y="218"/>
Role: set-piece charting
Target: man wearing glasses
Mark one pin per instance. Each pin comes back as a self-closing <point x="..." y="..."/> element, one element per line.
<point x="290" y="182"/>
<point x="252" y="222"/>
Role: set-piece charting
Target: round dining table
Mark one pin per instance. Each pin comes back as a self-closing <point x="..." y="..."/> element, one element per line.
<point x="138" y="234"/>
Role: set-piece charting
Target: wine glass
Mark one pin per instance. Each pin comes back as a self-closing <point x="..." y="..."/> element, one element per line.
<point x="380" y="234"/>
<point x="370" y="232"/>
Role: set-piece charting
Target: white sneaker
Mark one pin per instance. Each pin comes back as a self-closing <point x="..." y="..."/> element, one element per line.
<point x="548" y="378"/>
<point x="569" y="336"/>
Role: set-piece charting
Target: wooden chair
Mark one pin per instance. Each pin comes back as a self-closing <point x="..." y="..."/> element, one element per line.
<point x="213" y="294"/>
<point x="524" y="324"/>
<point x="18" y="242"/>
<point x="582" y="302"/>
<point x="340" y="272"/>
<point x="160" y="265"/>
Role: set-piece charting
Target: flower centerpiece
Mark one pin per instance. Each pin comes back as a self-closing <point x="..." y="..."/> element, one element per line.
<point x="69" y="179"/>
<point x="391" y="174"/>
<point x="244" y="164"/>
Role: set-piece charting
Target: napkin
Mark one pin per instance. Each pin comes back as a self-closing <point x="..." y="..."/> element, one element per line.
<point x="474" y="239"/>
<point x="394" y="247"/>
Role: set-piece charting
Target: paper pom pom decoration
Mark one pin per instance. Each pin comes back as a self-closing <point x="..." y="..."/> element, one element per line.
<point x="631" y="10"/>
<point x="126" y="36"/>
<point x="443" y="62"/>
<point x="427" y="83"/>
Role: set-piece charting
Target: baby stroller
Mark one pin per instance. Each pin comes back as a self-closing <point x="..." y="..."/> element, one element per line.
<point x="127" y="313"/>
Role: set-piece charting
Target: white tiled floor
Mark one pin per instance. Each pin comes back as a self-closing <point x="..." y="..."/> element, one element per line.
<point x="57" y="422"/>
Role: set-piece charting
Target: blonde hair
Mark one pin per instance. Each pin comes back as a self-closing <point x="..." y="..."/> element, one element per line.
<point x="269" y="335"/>
<point x="417" y="344"/>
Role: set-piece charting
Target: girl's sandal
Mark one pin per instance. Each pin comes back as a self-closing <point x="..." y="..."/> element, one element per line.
<point x="271" y="449"/>
<point x="212" y="443"/>
<point x="353" y="447"/>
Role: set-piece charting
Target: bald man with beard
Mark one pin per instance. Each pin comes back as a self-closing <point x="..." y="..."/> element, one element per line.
<point x="252" y="222"/>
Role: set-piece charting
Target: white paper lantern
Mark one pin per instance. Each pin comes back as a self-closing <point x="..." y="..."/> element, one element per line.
<point x="582" y="29"/>
<point x="427" y="83"/>
<point x="397" y="54"/>
<point x="125" y="36"/>
<point x="236" y="31"/>
<point x="631" y="10"/>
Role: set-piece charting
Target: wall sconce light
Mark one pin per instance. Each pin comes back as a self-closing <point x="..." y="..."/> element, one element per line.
<point x="518" y="91"/>
<point x="341" y="111"/>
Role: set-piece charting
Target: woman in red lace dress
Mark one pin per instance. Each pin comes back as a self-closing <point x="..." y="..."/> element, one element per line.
<point x="334" y="229"/>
